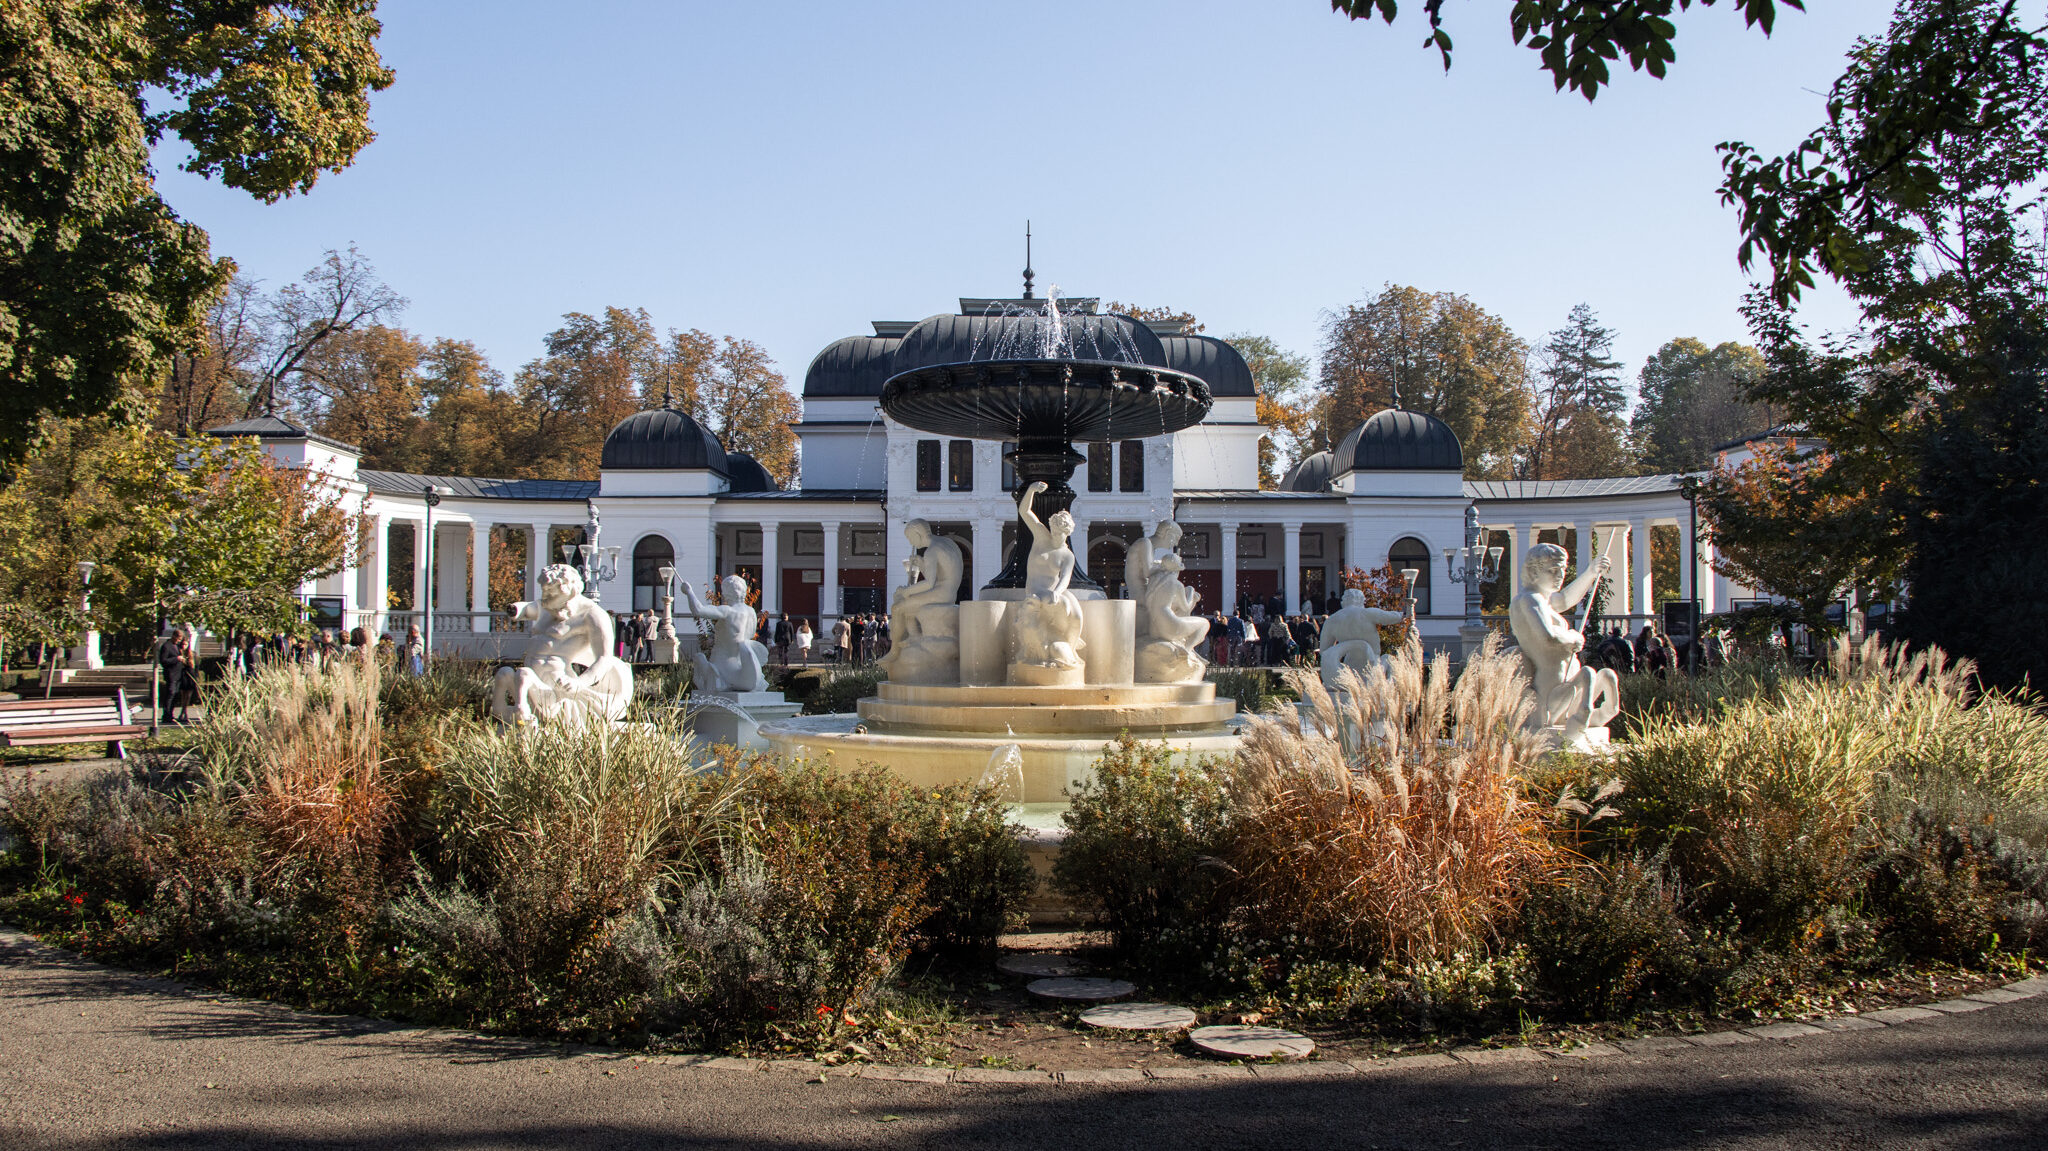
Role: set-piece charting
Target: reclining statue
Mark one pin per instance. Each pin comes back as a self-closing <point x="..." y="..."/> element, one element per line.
<point x="570" y="674"/>
<point x="1571" y="697"/>
<point x="736" y="658"/>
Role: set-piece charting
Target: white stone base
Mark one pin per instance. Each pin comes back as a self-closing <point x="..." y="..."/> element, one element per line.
<point x="86" y="656"/>
<point x="668" y="650"/>
<point x="713" y="720"/>
<point x="1592" y="741"/>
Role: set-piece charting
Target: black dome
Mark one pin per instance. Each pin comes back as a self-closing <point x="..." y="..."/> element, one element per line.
<point x="1400" y="441"/>
<point x="662" y="439"/>
<point x="1214" y="360"/>
<point x="1312" y="474"/>
<point x="854" y="366"/>
<point x="960" y="339"/>
<point x="744" y="473"/>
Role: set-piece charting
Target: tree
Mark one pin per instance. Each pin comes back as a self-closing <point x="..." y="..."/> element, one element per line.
<point x="1286" y="403"/>
<point x="1576" y="39"/>
<point x="593" y="373"/>
<point x="214" y="383"/>
<point x="1783" y="523"/>
<point x="735" y="392"/>
<point x="1692" y="399"/>
<point x="339" y="296"/>
<point x="1578" y="429"/>
<point x="472" y="416"/>
<point x="100" y="282"/>
<point x="371" y="395"/>
<point x="1447" y="356"/>
<point x="1189" y="324"/>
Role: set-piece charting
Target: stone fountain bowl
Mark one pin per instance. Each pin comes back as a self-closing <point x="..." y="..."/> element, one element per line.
<point x="1088" y="400"/>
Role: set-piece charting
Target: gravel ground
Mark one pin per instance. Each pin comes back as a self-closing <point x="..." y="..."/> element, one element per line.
<point x="94" y="1058"/>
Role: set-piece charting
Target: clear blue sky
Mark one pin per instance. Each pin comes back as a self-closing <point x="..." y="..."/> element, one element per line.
<point x="789" y="171"/>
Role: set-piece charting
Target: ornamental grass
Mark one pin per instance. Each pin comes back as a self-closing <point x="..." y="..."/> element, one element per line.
<point x="1389" y="823"/>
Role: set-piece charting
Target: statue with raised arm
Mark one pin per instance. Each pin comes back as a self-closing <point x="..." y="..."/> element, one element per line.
<point x="1575" y="699"/>
<point x="570" y="674"/>
<point x="1046" y="633"/>
<point x="924" y="617"/>
<point x="736" y="658"/>
<point x="1168" y="628"/>
<point x="1351" y="636"/>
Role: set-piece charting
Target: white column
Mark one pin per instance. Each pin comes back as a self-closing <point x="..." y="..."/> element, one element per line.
<point x="1582" y="535"/>
<point x="422" y="556"/>
<point x="828" y="595"/>
<point x="1521" y="537"/>
<point x="988" y="551"/>
<point x="536" y="558"/>
<point x="377" y="577"/>
<point x="480" y="576"/>
<point x="449" y="578"/>
<point x="1620" y="582"/>
<point x="1639" y="545"/>
<point x="771" y="568"/>
<point x="1684" y="560"/>
<point x="1229" y="534"/>
<point x="1290" y="574"/>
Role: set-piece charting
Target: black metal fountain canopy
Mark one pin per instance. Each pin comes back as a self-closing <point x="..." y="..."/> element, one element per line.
<point x="1043" y="406"/>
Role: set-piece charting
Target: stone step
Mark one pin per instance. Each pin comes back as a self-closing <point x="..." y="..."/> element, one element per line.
<point x="1070" y="719"/>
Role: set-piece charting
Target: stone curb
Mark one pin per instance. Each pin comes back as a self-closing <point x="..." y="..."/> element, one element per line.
<point x="1474" y="1057"/>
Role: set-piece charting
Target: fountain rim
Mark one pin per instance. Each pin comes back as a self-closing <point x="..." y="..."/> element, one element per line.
<point x="1123" y="382"/>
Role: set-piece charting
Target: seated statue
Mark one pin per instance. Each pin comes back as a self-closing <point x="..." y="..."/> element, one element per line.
<point x="1576" y="699"/>
<point x="736" y="658"/>
<point x="1046" y="633"/>
<point x="570" y="673"/>
<point x="1168" y="628"/>
<point x="924" y="619"/>
<point x="1351" y="636"/>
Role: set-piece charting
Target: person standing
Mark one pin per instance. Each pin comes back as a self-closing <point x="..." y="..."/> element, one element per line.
<point x="842" y="639"/>
<point x="415" y="651"/>
<point x="784" y="636"/>
<point x="803" y="640"/>
<point x="176" y="661"/>
<point x="856" y="633"/>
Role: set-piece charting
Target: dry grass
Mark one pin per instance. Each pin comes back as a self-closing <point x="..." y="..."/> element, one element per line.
<point x="1393" y="825"/>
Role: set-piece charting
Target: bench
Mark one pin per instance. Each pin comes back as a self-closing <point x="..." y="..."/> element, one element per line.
<point x="39" y="722"/>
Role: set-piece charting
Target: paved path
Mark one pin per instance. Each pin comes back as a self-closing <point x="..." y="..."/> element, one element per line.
<point x="92" y="1059"/>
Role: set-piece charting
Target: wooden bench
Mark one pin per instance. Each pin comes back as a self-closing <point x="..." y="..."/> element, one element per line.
<point x="38" y="722"/>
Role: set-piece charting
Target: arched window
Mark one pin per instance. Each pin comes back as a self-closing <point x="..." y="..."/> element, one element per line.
<point x="650" y="555"/>
<point x="1106" y="564"/>
<point x="1409" y="552"/>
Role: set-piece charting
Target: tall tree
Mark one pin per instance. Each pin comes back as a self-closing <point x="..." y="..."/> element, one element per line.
<point x="1692" y="399"/>
<point x="1286" y="403"/>
<point x="369" y="386"/>
<point x="216" y="382"/>
<point x="1578" y="430"/>
<point x="472" y="417"/>
<point x="1447" y="356"/>
<point x="593" y="373"/>
<point x="735" y="391"/>
<point x="100" y="282"/>
<point x="341" y="294"/>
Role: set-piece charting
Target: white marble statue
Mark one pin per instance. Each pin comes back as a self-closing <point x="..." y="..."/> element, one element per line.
<point x="1574" y="699"/>
<point x="1046" y="634"/>
<point x="736" y="658"/>
<point x="1168" y="628"/>
<point x="1351" y="636"/>
<point x="570" y="673"/>
<point x="924" y="619"/>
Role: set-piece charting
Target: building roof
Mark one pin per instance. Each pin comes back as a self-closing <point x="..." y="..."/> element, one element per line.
<point x="1397" y="440"/>
<point x="1571" y="489"/>
<point x="1312" y="474"/>
<point x="270" y="427"/>
<point x="475" y="487"/>
<point x="1215" y="361"/>
<point x="662" y="439"/>
<point x="1774" y="432"/>
<point x="744" y="473"/>
<point x="826" y="495"/>
<point x="855" y="366"/>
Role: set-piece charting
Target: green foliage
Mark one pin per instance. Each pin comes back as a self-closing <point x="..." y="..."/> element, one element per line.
<point x="837" y="691"/>
<point x="1691" y="400"/>
<point x="1144" y="845"/>
<point x="99" y="280"/>
<point x="1612" y="939"/>
<point x="1254" y="688"/>
<point x="1697" y="698"/>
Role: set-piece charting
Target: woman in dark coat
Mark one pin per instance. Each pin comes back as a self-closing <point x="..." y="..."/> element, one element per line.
<point x="176" y="661"/>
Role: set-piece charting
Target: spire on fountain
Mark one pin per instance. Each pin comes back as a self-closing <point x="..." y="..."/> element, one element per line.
<point x="1027" y="259"/>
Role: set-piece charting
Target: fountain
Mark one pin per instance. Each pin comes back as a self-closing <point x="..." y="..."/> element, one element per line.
<point x="1040" y="670"/>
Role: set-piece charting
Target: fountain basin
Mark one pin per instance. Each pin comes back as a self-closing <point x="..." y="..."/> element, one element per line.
<point x="1053" y="764"/>
<point x="1080" y="710"/>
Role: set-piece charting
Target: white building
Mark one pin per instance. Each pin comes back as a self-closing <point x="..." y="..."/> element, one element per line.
<point x="669" y="492"/>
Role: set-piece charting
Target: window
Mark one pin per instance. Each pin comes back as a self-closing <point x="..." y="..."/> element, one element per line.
<point x="1009" y="470"/>
<point x="650" y="555"/>
<point x="927" y="465"/>
<point x="1099" y="466"/>
<point x="1130" y="475"/>
<point x="1409" y="552"/>
<point x="960" y="466"/>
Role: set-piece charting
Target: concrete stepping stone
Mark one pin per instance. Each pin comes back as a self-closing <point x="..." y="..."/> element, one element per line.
<point x="1080" y="989"/>
<point x="1040" y="964"/>
<point x="1139" y="1017"/>
<point x="1231" y="1042"/>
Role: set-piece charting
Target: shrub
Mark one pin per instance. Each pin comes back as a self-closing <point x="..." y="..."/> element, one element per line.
<point x="1611" y="940"/>
<point x="838" y="691"/>
<point x="1646" y="697"/>
<point x="1254" y="688"/>
<point x="1391" y="826"/>
<point x="1144" y="844"/>
<point x="977" y="875"/>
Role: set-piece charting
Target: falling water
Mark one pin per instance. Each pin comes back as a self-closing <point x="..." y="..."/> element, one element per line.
<point x="1005" y="773"/>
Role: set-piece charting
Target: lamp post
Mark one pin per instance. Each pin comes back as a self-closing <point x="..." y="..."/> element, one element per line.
<point x="1689" y="487"/>
<point x="1473" y="565"/>
<point x="599" y="564"/>
<point x="87" y="654"/>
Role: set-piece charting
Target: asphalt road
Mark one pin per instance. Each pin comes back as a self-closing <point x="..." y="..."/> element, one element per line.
<point x="91" y="1058"/>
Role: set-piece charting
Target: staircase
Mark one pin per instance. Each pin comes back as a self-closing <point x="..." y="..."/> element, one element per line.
<point x="132" y="678"/>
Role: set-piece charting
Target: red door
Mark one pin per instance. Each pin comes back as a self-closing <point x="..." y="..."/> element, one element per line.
<point x="1207" y="584"/>
<point x="1253" y="585"/>
<point x="800" y="588"/>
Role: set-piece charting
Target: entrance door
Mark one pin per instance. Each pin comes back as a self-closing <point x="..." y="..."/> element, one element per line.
<point x="1256" y="585"/>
